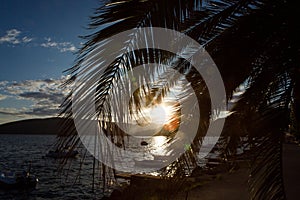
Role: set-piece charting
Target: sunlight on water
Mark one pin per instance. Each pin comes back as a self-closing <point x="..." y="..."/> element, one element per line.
<point x="158" y="144"/>
<point x="159" y="141"/>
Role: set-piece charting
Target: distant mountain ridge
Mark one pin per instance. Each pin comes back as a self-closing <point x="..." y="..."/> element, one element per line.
<point x="58" y="126"/>
<point x="47" y="126"/>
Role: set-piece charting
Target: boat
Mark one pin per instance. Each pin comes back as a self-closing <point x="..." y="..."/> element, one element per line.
<point x="62" y="154"/>
<point x="144" y="143"/>
<point x="11" y="179"/>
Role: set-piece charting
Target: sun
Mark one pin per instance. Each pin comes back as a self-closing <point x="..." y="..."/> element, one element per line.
<point x="159" y="114"/>
<point x="166" y="115"/>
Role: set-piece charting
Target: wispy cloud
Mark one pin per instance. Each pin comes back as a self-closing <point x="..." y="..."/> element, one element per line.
<point x="15" y="37"/>
<point x="12" y="36"/>
<point x="61" y="46"/>
<point x="49" y="43"/>
<point x="26" y="39"/>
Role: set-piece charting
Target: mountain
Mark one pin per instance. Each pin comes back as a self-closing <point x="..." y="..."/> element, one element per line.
<point x="34" y="126"/>
<point x="59" y="126"/>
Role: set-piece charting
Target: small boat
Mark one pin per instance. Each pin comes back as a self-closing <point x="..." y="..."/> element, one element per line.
<point x="10" y="179"/>
<point x="144" y="143"/>
<point x="62" y="154"/>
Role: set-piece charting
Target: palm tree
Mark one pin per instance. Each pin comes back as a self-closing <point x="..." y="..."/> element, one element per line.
<point x="254" y="43"/>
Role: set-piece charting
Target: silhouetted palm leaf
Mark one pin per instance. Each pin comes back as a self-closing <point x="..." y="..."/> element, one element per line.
<point x="250" y="43"/>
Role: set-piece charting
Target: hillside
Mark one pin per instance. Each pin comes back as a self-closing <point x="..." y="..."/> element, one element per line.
<point x="33" y="126"/>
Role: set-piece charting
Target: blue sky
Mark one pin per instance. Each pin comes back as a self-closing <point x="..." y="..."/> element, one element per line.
<point x="38" y="39"/>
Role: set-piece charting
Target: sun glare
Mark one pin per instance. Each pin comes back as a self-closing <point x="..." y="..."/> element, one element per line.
<point x="159" y="114"/>
<point x="164" y="115"/>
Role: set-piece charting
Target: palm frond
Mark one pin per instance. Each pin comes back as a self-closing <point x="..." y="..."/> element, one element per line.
<point x="241" y="49"/>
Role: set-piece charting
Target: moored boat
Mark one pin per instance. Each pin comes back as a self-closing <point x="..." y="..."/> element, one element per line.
<point x="11" y="179"/>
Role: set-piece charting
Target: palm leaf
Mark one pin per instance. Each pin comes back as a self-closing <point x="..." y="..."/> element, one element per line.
<point x="216" y="25"/>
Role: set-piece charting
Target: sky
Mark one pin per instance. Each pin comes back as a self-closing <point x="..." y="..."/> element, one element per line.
<point x="38" y="41"/>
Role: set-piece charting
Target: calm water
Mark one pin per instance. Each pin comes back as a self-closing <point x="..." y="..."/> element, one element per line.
<point x="17" y="150"/>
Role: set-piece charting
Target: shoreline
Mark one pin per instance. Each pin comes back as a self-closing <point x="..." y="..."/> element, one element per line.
<point x="232" y="184"/>
<point x="219" y="185"/>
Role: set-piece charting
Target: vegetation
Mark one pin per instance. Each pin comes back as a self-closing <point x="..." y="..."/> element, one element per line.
<point x="254" y="43"/>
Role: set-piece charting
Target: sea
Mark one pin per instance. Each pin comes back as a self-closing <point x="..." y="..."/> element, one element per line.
<point x="18" y="152"/>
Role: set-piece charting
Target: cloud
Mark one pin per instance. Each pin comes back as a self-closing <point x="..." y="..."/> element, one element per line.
<point x="49" y="43"/>
<point x="26" y="39"/>
<point x="3" y="83"/>
<point x="42" y="112"/>
<point x="45" y="97"/>
<point x="61" y="46"/>
<point x="54" y="98"/>
<point x="12" y="37"/>
<point x="12" y="111"/>
<point x="2" y="97"/>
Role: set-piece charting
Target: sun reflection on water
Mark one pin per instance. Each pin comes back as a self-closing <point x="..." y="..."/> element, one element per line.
<point x="158" y="146"/>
